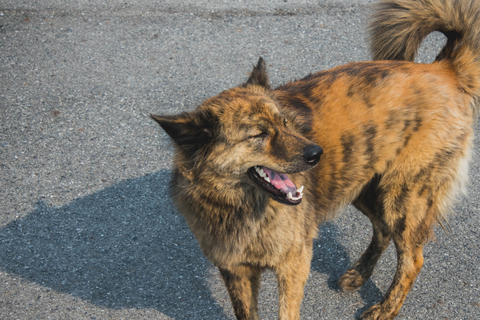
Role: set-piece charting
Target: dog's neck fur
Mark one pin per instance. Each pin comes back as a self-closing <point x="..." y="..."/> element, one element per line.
<point x="218" y="222"/>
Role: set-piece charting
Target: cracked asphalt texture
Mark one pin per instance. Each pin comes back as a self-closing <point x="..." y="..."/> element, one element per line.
<point x="87" y="230"/>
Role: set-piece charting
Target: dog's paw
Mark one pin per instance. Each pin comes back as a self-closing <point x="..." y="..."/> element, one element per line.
<point x="351" y="280"/>
<point x="376" y="312"/>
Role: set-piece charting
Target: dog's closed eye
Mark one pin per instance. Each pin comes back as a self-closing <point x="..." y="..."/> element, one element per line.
<point x="261" y="135"/>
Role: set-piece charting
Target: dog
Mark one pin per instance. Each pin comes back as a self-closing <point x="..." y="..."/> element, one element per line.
<point x="257" y="169"/>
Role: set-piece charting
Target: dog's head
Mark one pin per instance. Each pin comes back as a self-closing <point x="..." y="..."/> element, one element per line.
<point x="241" y="135"/>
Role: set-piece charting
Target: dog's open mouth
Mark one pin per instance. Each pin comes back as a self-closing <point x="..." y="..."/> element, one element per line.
<point x="277" y="184"/>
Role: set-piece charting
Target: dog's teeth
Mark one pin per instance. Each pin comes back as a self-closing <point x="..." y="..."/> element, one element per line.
<point x="300" y="190"/>
<point x="291" y="197"/>
<point x="260" y="172"/>
<point x="266" y="179"/>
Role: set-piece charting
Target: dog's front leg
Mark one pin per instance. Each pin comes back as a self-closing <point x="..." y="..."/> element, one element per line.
<point x="242" y="284"/>
<point x="292" y="276"/>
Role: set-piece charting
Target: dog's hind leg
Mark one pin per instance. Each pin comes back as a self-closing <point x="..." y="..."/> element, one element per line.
<point x="409" y="264"/>
<point x="369" y="203"/>
<point x="292" y="275"/>
<point x="406" y="220"/>
<point x="242" y="283"/>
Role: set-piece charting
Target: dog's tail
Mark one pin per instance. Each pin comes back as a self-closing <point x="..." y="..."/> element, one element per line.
<point x="399" y="26"/>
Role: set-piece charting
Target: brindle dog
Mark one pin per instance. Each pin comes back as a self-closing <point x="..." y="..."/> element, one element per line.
<point x="252" y="181"/>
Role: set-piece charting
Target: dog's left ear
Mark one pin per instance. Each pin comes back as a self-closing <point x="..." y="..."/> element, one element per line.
<point x="190" y="130"/>
<point x="259" y="75"/>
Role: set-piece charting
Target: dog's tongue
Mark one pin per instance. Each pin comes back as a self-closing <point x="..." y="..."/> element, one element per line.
<point x="280" y="181"/>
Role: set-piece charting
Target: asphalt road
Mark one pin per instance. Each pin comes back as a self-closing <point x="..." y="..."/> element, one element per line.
<point x="87" y="230"/>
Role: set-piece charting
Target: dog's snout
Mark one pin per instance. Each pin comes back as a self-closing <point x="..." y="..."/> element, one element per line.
<point x="312" y="154"/>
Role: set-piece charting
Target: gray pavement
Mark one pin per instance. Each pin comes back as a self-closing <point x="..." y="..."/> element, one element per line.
<point x="87" y="230"/>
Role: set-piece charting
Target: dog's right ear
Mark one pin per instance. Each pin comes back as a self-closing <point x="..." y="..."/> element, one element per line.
<point x="259" y="75"/>
<point x="191" y="131"/>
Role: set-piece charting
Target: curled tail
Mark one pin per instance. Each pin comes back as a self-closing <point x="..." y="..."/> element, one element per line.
<point x="399" y="26"/>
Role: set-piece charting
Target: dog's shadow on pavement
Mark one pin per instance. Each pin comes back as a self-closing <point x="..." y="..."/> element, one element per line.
<point x="121" y="247"/>
<point x="126" y="247"/>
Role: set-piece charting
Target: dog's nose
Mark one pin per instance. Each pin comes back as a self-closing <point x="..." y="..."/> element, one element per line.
<point x="312" y="154"/>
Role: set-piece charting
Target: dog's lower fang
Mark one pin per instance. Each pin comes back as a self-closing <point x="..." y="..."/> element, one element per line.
<point x="291" y="197"/>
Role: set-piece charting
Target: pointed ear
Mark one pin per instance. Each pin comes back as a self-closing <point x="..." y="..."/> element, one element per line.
<point x="190" y="130"/>
<point x="259" y="75"/>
